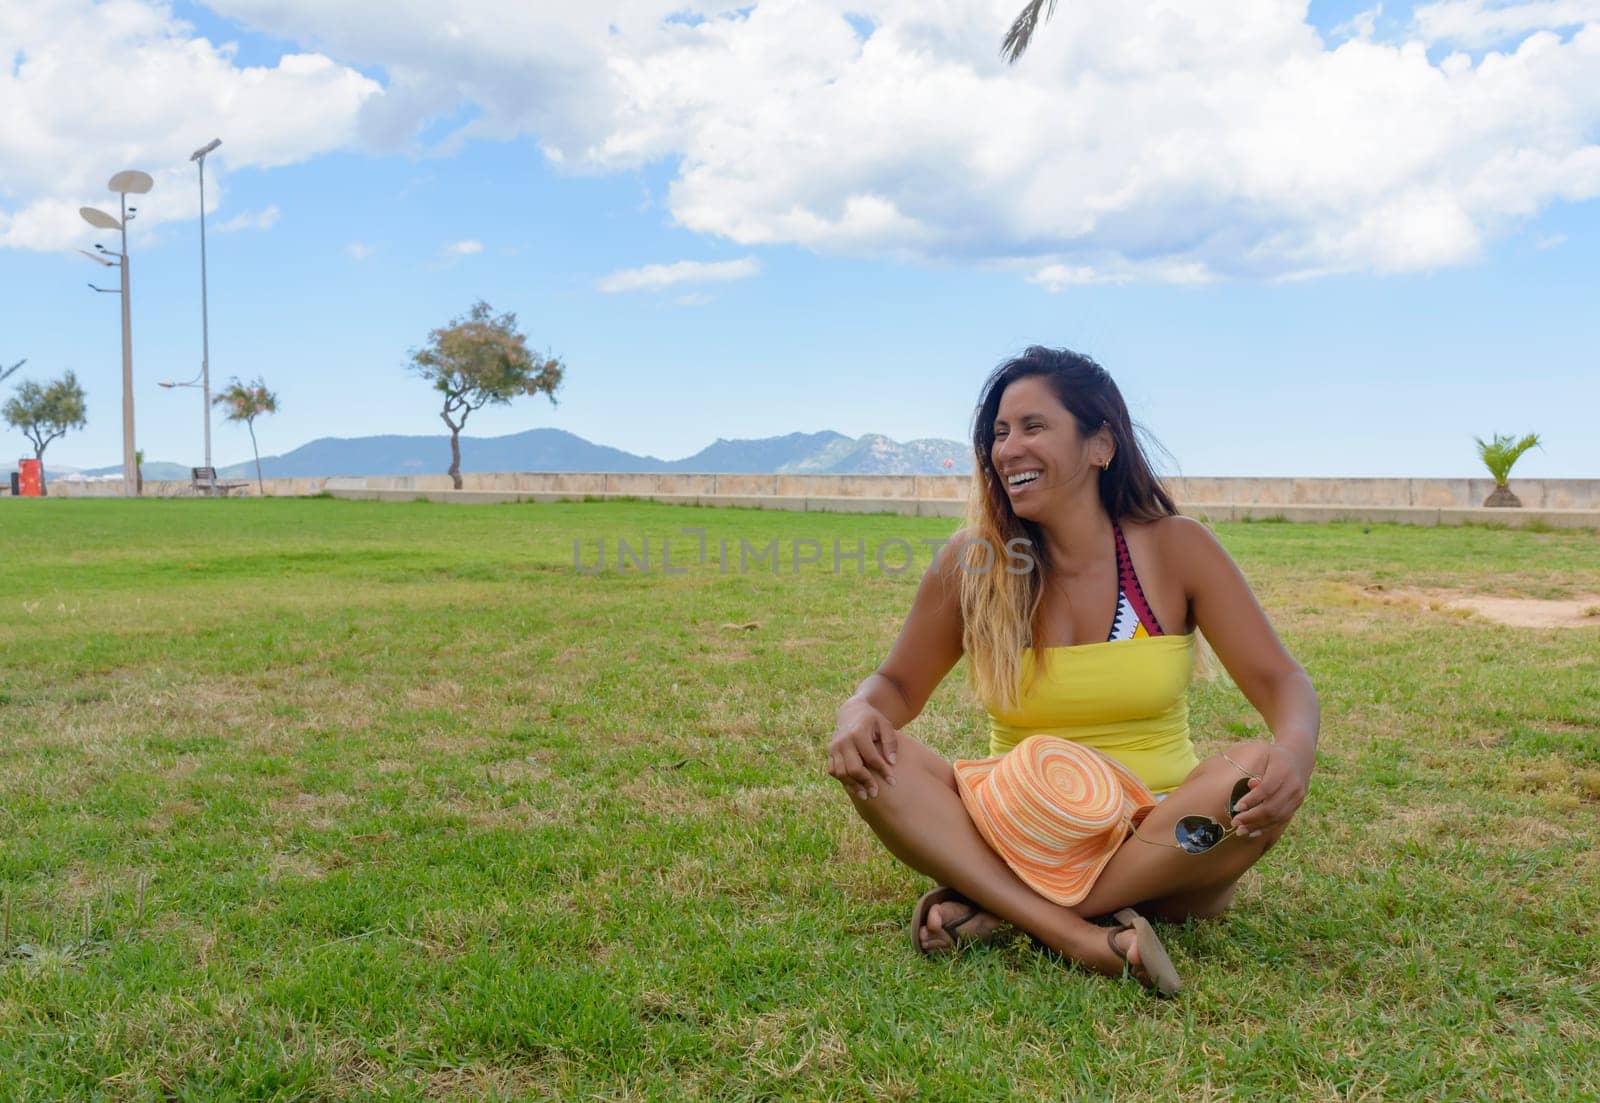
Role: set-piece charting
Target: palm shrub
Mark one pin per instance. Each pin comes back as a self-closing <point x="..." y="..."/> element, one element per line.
<point x="1499" y="455"/>
<point x="245" y="402"/>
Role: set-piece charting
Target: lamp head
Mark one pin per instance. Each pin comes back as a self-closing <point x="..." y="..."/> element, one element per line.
<point x="199" y="154"/>
<point x="131" y="180"/>
<point x="99" y="219"/>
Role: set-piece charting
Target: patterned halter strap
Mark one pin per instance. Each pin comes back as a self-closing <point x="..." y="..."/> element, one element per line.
<point x="1135" y="619"/>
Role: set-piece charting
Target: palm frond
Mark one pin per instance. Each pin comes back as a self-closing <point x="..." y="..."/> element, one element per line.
<point x="1500" y="454"/>
<point x="1021" y="32"/>
<point x="246" y="401"/>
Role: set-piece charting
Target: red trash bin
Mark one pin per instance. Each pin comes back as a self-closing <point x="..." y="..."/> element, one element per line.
<point x="31" y="484"/>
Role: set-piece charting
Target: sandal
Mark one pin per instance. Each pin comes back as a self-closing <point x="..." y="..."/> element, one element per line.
<point x="1158" y="967"/>
<point x="919" y="919"/>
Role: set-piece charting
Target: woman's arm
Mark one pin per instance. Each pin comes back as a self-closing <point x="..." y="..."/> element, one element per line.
<point x="1227" y="612"/>
<point x="867" y="724"/>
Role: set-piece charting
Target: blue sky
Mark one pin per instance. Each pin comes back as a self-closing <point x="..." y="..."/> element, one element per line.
<point x="1305" y="358"/>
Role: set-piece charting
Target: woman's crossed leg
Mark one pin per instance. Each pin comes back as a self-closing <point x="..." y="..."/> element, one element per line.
<point x="922" y="821"/>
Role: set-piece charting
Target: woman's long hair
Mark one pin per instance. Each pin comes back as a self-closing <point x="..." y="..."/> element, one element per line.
<point x="1002" y="610"/>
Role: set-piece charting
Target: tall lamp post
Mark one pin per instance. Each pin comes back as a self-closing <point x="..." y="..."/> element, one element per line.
<point x="199" y="158"/>
<point x="129" y="182"/>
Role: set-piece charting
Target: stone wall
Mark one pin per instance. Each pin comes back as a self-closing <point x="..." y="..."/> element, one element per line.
<point x="1581" y="494"/>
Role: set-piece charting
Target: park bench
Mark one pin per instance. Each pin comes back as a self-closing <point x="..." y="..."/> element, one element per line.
<point x="205" y="482"/>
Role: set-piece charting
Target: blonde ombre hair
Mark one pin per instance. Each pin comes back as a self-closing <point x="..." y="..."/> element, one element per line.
<point x="1002" y="607"/>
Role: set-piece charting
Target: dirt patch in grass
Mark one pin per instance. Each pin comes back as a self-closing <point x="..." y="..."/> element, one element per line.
<point x="298" y="866"/>
<point x="487" y="1082"/>
<point x="1582" y="611"/>
<point x="318" y="811"/>
<point x="162" y="819"/>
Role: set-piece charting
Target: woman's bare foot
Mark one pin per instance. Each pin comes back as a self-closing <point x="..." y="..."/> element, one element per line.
<point x="954" y="923"/>
<point x="1135" y="943"/>
<point x="1128" y="944"/>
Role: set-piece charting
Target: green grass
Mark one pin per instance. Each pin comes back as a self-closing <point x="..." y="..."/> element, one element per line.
<point x="319" y="799"/>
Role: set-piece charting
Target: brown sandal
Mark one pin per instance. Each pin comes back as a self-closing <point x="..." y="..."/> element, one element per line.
<point x="919" y="920"/>
<point x="1158" y="967"/>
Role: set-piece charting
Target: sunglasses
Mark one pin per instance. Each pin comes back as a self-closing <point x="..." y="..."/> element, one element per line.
<point x="1197" y="834"/>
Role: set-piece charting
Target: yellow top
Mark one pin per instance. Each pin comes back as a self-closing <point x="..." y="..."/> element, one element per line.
<point x="1126" y="698"/>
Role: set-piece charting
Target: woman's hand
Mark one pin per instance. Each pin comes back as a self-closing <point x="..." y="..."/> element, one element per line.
<point x="862" y="751"/>
<point x="1275" y="796"/>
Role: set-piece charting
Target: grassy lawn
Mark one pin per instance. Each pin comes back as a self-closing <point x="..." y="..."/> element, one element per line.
<point x="319" y="799"/>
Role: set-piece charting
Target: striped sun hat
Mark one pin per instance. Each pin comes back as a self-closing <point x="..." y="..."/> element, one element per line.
<point x="1055" y="810"/>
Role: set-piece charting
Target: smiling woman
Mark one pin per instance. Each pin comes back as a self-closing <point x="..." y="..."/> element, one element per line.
<point x="1083" y="660"/>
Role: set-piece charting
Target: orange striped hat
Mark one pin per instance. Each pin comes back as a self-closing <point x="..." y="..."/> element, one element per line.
<point x="1055" y="810"/>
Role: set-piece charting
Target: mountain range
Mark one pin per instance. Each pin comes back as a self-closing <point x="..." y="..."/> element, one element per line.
<point x="825" y="453"/>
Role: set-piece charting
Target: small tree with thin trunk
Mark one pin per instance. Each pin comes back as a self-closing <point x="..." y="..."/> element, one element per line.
<point x="245" y="402"/>
<point x="479" y="359"/>
<point x="44" y="413"/>
<point x="1499" y="456"/>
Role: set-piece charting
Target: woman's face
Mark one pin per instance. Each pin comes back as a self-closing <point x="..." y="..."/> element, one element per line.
<point x="1039" y="453"/>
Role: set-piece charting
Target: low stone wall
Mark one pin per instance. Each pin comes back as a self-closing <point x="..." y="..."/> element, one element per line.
<point x="1542" y="494"/>
<point x="1386" y="493"/>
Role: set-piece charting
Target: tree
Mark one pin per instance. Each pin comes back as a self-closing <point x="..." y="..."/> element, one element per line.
<point x="246" y="402"/>
<point x="1021" y="32"/>
<point x="1499" y="456"/>
<point x="45" y="413"/>
<point x="479" y="359"/>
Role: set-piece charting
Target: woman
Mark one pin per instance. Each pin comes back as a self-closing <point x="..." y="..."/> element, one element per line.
<point x="1062" y="488"/>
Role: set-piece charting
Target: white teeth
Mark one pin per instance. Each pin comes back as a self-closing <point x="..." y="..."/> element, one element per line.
<point x="1022" y="477"/>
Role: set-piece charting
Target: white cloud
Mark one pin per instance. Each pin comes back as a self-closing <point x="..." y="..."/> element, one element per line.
<point x="1115" y="270"/>
<point x="654" y="277"/>
<point x="1363" y="24"/>
<point x="1056" y="277"/>
<point x="693" y="298"/>
<point x="263" y="219"/>
<point x="466" y="248"/>
<point x="1130" y="143"/>
<point x="1550" y="241"/>
<point x="1485" y="23"/>
<point x="90" y="89"/>
<point x="532" y="68"/>
<point x="359" y="250"/>
<point x="1137" y="140"/>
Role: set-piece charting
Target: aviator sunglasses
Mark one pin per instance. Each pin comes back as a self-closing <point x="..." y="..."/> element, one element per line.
<point x="1197" y="834"/>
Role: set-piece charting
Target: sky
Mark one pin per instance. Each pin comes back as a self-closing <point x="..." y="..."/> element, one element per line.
<point x="1324" y="239"/>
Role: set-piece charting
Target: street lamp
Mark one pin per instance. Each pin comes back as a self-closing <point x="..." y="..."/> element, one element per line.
<point x="195" y="382"/>
<point x="129" y="182"/>
<point x="199" y="158"/>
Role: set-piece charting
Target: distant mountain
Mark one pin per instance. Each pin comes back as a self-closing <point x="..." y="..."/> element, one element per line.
<point x="878" y="455"/>
<point x="825" y="453"/>
<point x="795" y="454"/>
<point x="534" y="450"/>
